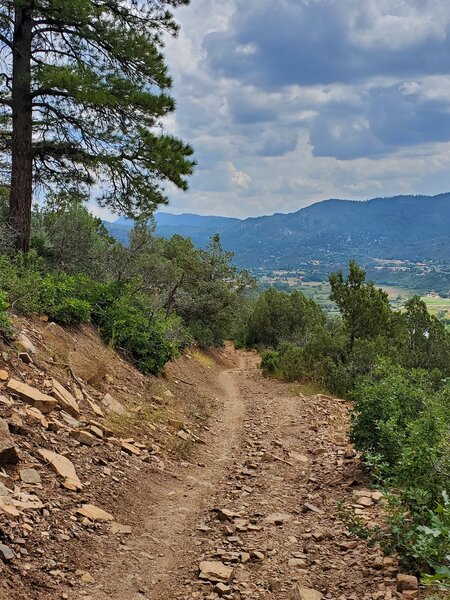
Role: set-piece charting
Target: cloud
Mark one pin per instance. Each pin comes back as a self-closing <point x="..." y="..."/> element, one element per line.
<point x="288" y="102"/>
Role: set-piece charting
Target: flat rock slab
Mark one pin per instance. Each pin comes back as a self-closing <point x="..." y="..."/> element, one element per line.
<point x="113" y="405"/>
<point x="64" y="467"/>
<point x="93" y="513"/>
<point x="65" y="399"/>
<point x="8" y="452"/>
<point x="303" y="593"/>
<point x="215" y="571"/>
<point x="32" y="396"/>
<point x="30" y="476"/>
<point x="119" y="529"/>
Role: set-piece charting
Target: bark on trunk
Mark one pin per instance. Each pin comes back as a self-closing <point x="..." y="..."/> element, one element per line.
<point x="20" y="198"/>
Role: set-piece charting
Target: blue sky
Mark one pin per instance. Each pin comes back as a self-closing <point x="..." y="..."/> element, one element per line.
<point x="288" y="102"/>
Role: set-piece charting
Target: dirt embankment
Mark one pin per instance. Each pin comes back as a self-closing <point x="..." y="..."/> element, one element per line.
<point x="217" y="483"/>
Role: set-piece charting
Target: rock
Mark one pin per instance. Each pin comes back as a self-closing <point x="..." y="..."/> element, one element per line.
<point x="24" y="344"/>
<point x="303" y="593"/>
<point x="95" y="408"/>
<point x="89" y="369"/>
<point x="64" y="467"/>
<point x="69" y="420"/>
<point x="113" y="405"/>
<point x="350" y="545"/>
<point x="365" y="501"/>
<point x="215" y="571"/>
<point x="406" y="583"/>
<point x="130" y="449"/>
<point x="4" y="375"/>
<point x="16" y="425"/>
<point x="5" y="492"/>
<point x="119" y="529"/>
<point x="87" y="578"/>
<point x="8" y="452"/>
<point x="6" y="554"/>
<point x="93" y="513"/>
<point x="30" y="476"/>
<point x="25" y="358"/>
<point x="297" y="562"/>
<point x="65" y="399"/>
<point x="221" y="589"/>
<point x="31" y="396"/>
<point x="278" y="518"/>
<point x="84" y="437"/>
<point x="226" y="515"/>
<point x="257" y="556"/>
<point x="307" y="507"/>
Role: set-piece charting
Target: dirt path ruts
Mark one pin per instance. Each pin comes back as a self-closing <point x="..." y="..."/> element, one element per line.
<point x="147" y="564"/>
<point x="281" y="461"/>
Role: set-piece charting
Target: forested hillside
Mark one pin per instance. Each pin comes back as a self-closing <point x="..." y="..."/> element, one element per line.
<point x="414" y="228"/>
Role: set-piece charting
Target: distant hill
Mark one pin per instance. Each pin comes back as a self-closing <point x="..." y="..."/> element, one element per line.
<point x="415" y="228"/>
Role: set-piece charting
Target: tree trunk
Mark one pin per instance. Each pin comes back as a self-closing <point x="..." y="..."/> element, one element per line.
<point x="20" y="198"/>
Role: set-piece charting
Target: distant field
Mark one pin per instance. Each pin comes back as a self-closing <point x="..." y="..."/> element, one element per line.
<point x="437" y="305"/>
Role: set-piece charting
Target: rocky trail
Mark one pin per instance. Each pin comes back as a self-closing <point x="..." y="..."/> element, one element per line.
<point x="245" y="504"/>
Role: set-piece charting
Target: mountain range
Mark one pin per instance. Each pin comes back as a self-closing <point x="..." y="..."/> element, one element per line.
<point x="408" y="228"/>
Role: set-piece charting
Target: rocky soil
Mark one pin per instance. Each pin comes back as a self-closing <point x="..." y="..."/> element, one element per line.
<point x="213" y="482"/>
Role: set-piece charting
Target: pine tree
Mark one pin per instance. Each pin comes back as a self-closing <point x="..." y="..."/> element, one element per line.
<point x="83" y="93"/>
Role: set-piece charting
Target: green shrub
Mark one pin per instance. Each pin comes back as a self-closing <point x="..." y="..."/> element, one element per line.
<point x="140" y="336"/>
<point x="5" y="325"/>
<point x="71" y="311"/>
<point x="270" y="362"/>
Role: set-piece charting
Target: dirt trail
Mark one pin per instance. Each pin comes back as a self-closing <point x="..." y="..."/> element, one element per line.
<point x="280" y="461"/>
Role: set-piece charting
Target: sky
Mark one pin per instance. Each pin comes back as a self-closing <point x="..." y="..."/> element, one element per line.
<point x="288" y="102"/>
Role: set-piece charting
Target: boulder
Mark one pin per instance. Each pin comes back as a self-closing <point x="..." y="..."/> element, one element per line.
<point x="6" y="554"/>
<point x="83" y="437"/>
<point x="8" y="452"/>
<point x="65" y="399"/>
<point x="64" y="467"/>
<point x="24" y="344"/>
<point x="31" y="396"/>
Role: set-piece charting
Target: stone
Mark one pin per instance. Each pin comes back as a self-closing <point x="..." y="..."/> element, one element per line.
<point x="4" y="375"/>
<point x="303" y="593"/>
<point x="95" y="408"/>
<point x="87" y="578"/>
<point x="221" y="589"/>
<point x="350" y="545"/>
<point x="278" y="518"/>
<point x="365" y="501"/>
<point x="113" y="405"/>
<point x="31" y="396"/>
<point x="8" y="451"/>
<point x="84" y="437"/>
<point x="71" y="421"/>
<point x="215" y="571"/>
<point x="88" y="368"/>
<point x="130" y="449"/>
<point x="65" y="399"/>
<point x="406" y="583"/>
<point x="93" y="513"/>
<point x="24" y="344"/>
<point x="6" y="554"/>
<point x="64" y="467"/>
<point x="30" y="476"/>
<point x="297" y="562"/>
<point x="119" y="529"/>
<point x="307" y="507"/>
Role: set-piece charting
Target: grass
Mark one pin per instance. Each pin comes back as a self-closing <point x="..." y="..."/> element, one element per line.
<point x="203" y="359"/>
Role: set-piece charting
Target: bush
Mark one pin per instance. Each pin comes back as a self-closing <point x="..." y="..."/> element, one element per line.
<point x="71" y="311"/>
<point x="5" y="325"/>
<point x="140" y="336"/>
<point x="270" y="362"/>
